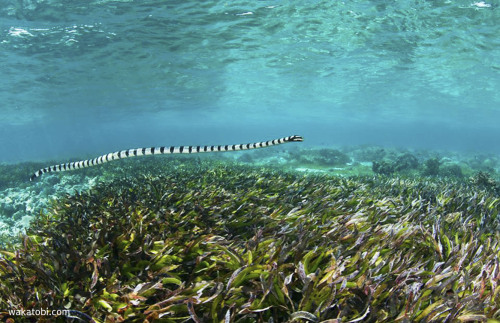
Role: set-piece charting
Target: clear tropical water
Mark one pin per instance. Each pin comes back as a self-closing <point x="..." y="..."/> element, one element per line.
<point x="362" y="81"/>
<point x="88" y="77"/>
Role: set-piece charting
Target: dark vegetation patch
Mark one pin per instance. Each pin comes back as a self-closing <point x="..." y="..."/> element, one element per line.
<point x="17" y="175"/>
<point x="204" y="241"/>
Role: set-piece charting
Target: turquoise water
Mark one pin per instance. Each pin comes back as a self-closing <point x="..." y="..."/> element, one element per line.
<point x="403" y="93"/>
<point x="84" y="78"/>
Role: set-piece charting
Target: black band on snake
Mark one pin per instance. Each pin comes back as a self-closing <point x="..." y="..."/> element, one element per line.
<point x="158" y="151"/>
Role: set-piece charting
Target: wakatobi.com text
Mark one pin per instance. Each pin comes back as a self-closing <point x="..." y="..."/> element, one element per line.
<point x="39" y="312"/>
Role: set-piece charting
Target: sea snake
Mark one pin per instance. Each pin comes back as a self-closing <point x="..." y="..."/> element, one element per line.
<point x="158" y="151"/>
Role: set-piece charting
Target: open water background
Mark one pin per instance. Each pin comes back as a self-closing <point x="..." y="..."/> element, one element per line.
<point x="83" y="78"/>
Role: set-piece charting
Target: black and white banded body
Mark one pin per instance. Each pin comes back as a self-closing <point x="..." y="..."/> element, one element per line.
<point x="158" y="151"/>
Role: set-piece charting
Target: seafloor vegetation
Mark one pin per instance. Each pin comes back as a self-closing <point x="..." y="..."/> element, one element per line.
<point x="200" y="241"/>
<point x="21" y="201"/>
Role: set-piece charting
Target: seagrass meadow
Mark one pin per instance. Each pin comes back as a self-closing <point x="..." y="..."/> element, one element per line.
<point x="210" y="241"/>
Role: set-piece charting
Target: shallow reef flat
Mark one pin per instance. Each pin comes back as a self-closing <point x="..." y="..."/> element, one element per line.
<point x="204" y="241"/>
<point x="22" y="200"/>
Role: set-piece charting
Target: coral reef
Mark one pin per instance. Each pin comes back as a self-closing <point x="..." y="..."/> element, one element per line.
<point x="431" y="167"/>
<point x="406" y="162"/>
<point x="20" y="203"/>
<point x="403" y="164"/>
<point x="383" y="167"/>
<point x="207" y="241"/>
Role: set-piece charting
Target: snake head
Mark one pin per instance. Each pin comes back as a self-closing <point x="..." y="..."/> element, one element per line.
<point x="295" y="138"/>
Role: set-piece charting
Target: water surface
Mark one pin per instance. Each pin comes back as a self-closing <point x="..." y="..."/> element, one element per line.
<point x="86" y="77"/>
